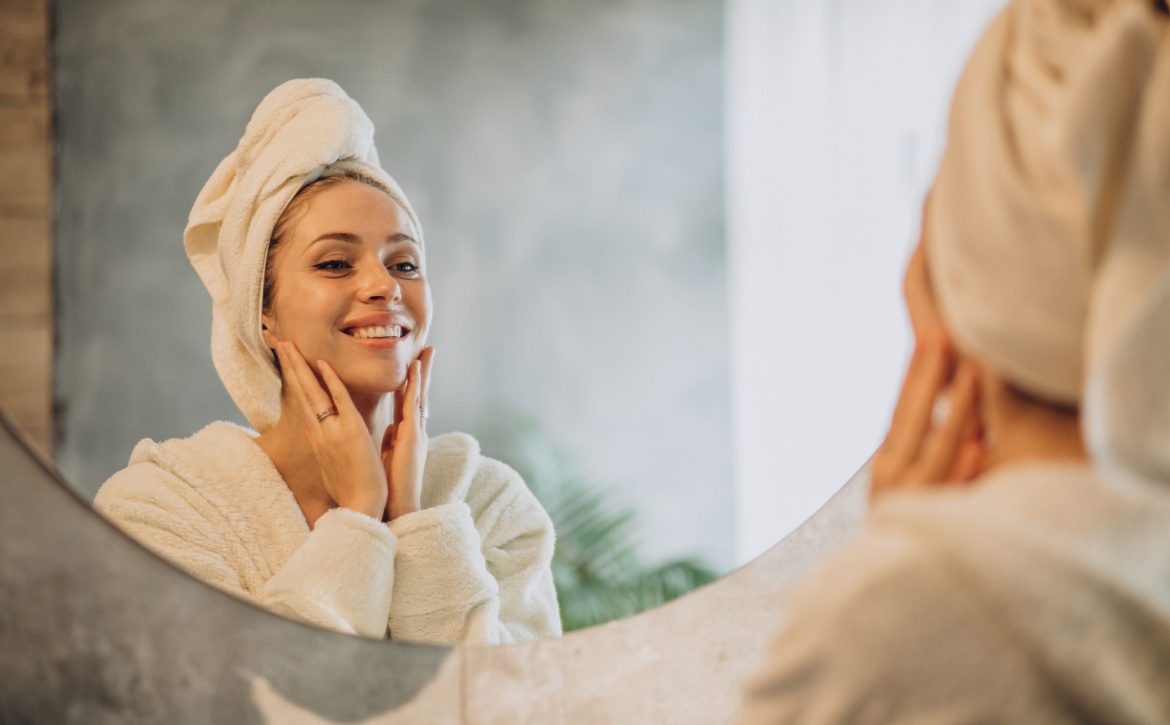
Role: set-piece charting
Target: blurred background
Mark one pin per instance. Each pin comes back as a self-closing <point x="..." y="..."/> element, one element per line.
<point x="665" y="237"/>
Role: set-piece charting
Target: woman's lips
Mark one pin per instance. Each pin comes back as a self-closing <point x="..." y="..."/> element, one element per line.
<point x="377" y="332"/>
<point x="378" y="343"/>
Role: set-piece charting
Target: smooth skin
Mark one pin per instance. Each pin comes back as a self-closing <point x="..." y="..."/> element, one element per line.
<point x="988" y="424"/>
<point x="351" y="255"/>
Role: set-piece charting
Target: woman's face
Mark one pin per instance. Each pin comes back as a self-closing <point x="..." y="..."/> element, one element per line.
<point x="351" y="288"/>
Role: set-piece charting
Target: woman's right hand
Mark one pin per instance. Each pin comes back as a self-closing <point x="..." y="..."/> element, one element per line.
<point x="925" y="448"/>
<point x="351" y="469"/>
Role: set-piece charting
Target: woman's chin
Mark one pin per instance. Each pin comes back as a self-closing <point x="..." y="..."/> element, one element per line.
<point x="373" y="385"/>
<point x="371" y="379"/>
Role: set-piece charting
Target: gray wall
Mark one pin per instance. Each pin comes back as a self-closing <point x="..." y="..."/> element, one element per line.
<point x="565" y="158"/>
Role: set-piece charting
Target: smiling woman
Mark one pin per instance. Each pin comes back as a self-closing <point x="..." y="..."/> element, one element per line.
<point x="321" y="307"/>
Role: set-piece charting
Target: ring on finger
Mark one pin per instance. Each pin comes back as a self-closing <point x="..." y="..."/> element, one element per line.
<point x="422" y="412"/>
<point x="323" y="414"/>
<point x="940" y="410"/>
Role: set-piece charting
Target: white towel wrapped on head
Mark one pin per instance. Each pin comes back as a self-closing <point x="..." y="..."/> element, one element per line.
<point x="1049" y="225"/>
<point x="303" y="130"/>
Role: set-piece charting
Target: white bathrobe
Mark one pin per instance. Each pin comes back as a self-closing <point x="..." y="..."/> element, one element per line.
<point x="1040" y="595"/>
<point x="472" y="566"/>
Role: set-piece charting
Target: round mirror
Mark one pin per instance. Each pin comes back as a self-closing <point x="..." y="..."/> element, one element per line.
<point x="665" y="241"/>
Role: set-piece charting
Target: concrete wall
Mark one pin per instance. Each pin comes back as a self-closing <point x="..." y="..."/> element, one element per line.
<point x="26" y="298"/>
<point x="566" y="161"/>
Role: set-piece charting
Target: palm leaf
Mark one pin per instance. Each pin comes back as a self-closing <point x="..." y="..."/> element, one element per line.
<point x="596" y="567"/>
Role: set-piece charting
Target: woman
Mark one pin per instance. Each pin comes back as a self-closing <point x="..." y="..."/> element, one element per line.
<point x="340" y="512"/>
<point x="1037" y="589"/>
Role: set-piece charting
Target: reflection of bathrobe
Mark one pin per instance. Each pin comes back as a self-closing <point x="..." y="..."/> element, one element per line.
<point x="472" y="566"/>
<point x="1039" y="596"/>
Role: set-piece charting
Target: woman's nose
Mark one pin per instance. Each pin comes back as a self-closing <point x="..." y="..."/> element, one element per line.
<point x="379" y="285"/>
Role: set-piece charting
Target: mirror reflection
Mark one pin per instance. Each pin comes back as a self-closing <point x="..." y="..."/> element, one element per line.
<point x="644" y="299"/>
<point x="571" y="213"/>
<point x="341" y="511"/>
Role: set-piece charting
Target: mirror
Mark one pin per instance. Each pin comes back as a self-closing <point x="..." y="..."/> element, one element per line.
<point x="664" y="239"/>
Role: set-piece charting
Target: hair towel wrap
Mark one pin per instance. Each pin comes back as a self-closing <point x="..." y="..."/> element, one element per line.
<point x="1049" y="224"/>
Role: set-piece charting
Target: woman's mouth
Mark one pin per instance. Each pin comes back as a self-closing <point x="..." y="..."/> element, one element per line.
<point x="377" y="335"/>
<point x="377" y="332"/>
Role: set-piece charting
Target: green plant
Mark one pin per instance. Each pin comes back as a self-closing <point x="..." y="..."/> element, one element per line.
<point x="598" y="573"/>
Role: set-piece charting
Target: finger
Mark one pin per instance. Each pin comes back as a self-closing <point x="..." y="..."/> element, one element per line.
<point x="317" y="397"/>
<point x="972" y="449"/>
<point x="942" y="445"/>
<point x="921" y="306"/>
<point x="916" y="289"/>
<point x="388" y="438"/>
<point x="399" y="399"/>
<point x="427" y="358"/>
<point x="968" y="462"/>
<point x="972" y="430"/>
<point x="408" y="399"/>
<point x="413" y="384"/>
<point x="337" y="390"/>
<point x="291" y="379"/>
<point x="925" y="377"/>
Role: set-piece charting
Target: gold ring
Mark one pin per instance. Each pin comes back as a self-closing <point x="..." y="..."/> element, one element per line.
<point x="323" y="414"/>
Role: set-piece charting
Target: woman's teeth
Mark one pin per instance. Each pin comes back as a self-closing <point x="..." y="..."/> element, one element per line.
<point x="391" y="331"/>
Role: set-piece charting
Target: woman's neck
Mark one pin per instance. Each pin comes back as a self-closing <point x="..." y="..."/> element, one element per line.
<point x="1019" y="429"/>
<point x="286" y="446"/>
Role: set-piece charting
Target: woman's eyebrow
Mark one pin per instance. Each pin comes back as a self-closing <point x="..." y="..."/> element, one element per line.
<point x="355" y="239"/>
<point x="400" y="237"/>
<point x="337" y="236"/>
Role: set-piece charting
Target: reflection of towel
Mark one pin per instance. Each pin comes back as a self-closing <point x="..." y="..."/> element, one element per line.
<point x="472" y="566"/>
<point x="1049" y="236"/>
<point x="302" y="130"/>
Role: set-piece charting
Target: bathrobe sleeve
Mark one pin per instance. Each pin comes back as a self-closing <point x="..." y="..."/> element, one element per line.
<point x="340" y="578"/>
<point x="483" y="578"/>
<point x="886" y="634"/>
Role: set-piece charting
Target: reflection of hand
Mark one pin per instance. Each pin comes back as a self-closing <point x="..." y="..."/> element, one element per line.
<point x="404" y="445"/>
<point x="340" y="442"/>
<point x="925" y="319"/>
<point x="923" y="448"/>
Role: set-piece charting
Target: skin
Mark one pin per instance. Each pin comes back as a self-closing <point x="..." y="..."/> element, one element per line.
<point x="989" y="425"/>
<point x="350" y="255"/>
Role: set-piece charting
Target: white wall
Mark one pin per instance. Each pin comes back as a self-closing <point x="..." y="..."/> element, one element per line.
<point x="835" y="120"/>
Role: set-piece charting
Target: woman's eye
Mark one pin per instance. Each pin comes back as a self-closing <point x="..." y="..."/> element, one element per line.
<point x="332" y="265"/>
<point x="404" y="267"/>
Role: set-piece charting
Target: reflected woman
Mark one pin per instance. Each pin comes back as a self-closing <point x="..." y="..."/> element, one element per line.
<point x="340" y="512"/>
<point x="1016" y="565"/>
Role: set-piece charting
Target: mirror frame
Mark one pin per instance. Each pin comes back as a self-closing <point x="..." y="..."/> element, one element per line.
<point x="98" y="626"/>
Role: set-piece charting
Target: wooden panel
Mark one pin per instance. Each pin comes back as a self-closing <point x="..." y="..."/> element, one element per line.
<point x="26" y="375"/>
<point x="25" y="270"/>
<point x="24" y="155"/>
<point x="25" y="233"/>
<point x="23" y="51"/>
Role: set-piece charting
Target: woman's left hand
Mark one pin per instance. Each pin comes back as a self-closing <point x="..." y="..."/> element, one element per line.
<point x="404" y="444"/>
